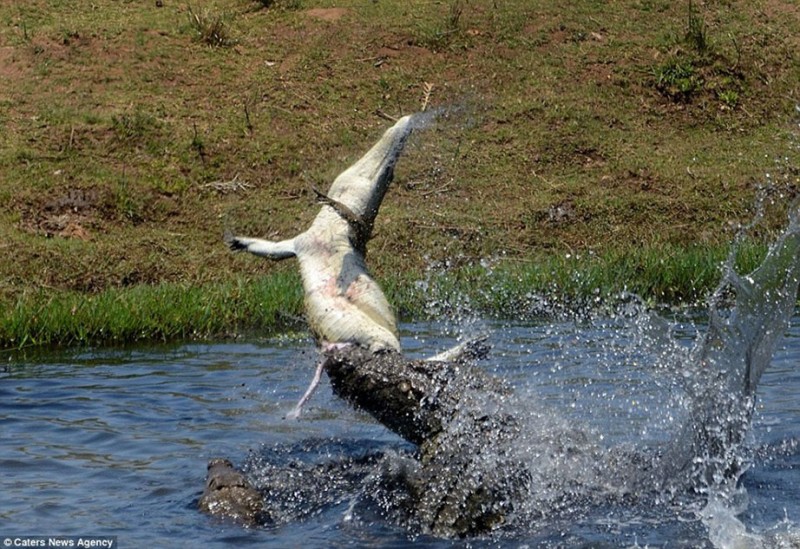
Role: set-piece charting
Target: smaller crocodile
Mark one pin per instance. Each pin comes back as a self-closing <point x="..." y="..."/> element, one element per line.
<point x="229" y="494"/>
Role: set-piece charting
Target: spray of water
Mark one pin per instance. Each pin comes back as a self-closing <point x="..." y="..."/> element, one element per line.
<point x="747" y="315"/>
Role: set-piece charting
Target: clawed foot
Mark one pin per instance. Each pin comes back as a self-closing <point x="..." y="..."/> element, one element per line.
<point x="233" y="242"/>
<point x="294" y="414"/>
<point x="475" y="348"/>
<point x="326" y="348"/>
<point x="330" y="347"/>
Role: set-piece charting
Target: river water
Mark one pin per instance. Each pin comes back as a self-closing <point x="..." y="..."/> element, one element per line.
<point x="114" y="441"/>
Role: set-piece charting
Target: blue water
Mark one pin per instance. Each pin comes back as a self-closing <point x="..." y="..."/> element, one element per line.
<point x="115" y="441"/>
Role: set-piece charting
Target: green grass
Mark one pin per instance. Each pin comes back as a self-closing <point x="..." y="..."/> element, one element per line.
<point x="159" y="312"/>
<point x="664" y="275"/>
<point x="551" y="285"/>
<point x="678" y="79"/>
<point x="211" y="29"/>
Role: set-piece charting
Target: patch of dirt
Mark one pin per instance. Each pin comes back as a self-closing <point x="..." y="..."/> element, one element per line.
<point x="73" y="214"/>
<point x="401" y="59"/>
<point x="635" y="181"/>
<point x="9" y="67"/>
<point x="401" y="50"/>
<point x="290" y="62"/>
<point x="561" y="213"/>
<point x="62" y="48"/>
<point x="602" y="74"/>
<point x="66" y="225"/>
<point x="327" y="14"/>
<point x="780" y="9"/>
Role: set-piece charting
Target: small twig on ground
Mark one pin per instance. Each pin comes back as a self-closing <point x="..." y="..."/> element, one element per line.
<point x="247" y="121"/>
<point x="548" y="182"/>
<point x="427" y="88"/>
<point x="388" y="117"/>
<point x="442" y="189"/>
<point x="231" y="186"/>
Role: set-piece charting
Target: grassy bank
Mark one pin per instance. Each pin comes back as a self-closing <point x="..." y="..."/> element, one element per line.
<point x="265" y="306"/>
<point x="133" y="134"/>
<point x="158" y="312"/>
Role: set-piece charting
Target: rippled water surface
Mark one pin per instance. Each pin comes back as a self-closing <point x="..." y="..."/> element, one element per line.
<point x="115" y="441"/>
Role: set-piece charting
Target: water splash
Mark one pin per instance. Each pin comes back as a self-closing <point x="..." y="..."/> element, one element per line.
<point x="727" y="531"/>
<point x="747" y="316"/>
